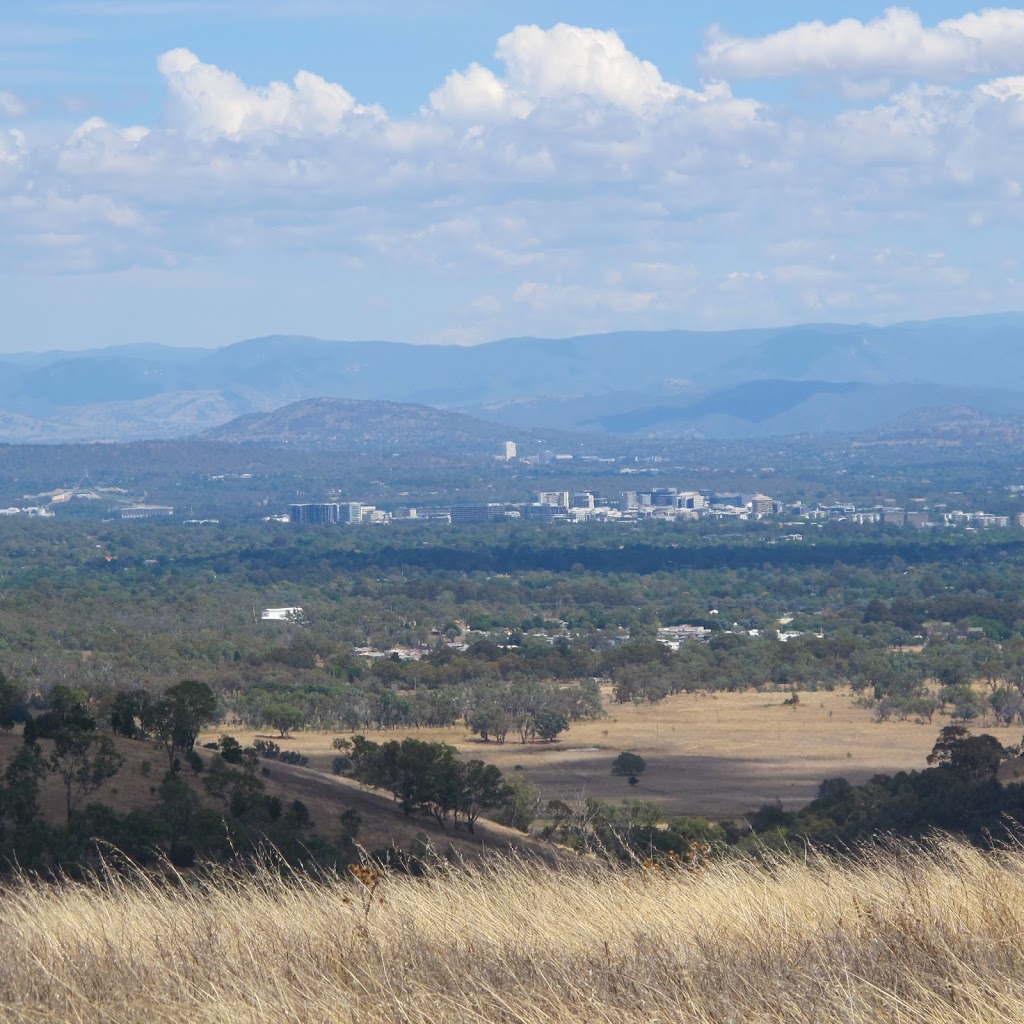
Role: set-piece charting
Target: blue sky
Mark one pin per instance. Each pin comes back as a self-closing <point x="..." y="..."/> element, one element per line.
<point x="194" y="172"/>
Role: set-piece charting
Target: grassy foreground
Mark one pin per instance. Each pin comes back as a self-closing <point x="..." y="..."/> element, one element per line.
<point x="910" y="936"/>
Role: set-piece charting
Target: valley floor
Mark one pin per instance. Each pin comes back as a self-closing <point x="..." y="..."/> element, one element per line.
<point x="713" y="754"/>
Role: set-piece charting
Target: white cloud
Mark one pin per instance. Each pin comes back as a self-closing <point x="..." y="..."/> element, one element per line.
<point x="95" y="127"/>
<point x="96" y="147"/>
<point x="1005" y="88"/>
<point x="477" y="93"/>
<point x="906" y="128"/>
<point x="11" y="106"/>
<point x="553" y="64"/>
<point x="209" y="100"/>
<point x="896" y="43"/>
<point x="567" y="59"/>
<point x="47" y="232"/>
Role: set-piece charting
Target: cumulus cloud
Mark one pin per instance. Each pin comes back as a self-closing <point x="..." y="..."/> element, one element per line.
<point x="206" y="99"/>
<point x="896" y="43"/>
<point x="1011" y="88"/>
<point x="585" y="61"/>
<point x="551" y="64"/>
<point x="477" y="92"/>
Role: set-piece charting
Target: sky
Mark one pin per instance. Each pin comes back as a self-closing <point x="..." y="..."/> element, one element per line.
<point x="196" y="172"/>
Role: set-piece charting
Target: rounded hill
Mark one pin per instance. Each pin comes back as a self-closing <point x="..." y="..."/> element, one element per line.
<point x="355" y="425"/>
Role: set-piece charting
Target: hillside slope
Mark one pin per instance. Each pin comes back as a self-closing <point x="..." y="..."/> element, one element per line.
<point x="326" y="796"/>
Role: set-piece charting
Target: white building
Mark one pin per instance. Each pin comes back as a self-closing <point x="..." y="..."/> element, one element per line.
<point x="350" y="512"/>
<point x="292" y="614"/>
<point x="691" y="499"/>
<point x="560" y="498"/>
<point x="146" y="511"/>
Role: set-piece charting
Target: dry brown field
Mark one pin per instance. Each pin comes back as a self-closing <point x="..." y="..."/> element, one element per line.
<point x="908" y="937"/>
<point x="717" y="755"/>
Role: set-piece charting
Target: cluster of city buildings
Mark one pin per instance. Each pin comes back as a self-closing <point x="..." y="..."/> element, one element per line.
<point x="125" y="512"/>
<point x="509" y="452"/>
<point x="583" y="506"/>
<point x="348" y="512"/>
<point x="658" y="503"/>
<point x="554" y="506"/>
<point x="921" y="518"/>
<point x="674" y="636"/>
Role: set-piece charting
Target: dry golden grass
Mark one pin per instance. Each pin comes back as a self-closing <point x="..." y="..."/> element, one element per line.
<point x="717" y="755"/>
<point x="927" y="937"/>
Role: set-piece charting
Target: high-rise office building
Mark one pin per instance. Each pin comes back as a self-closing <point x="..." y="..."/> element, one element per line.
<point x="323" y="512"/>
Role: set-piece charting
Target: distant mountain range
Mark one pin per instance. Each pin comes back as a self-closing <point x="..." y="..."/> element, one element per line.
<point x="729" y="384"/>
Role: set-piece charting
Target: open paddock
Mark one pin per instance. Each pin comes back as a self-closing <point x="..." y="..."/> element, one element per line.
<point x="717" y="755"/>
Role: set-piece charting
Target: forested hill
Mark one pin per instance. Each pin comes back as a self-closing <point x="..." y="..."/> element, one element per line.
<point x="356" y="425"/>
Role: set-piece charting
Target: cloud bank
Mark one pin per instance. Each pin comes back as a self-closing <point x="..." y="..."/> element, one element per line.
<point x="568" y="185"/>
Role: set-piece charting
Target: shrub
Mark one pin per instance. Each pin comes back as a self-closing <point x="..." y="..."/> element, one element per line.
<point x="231" y="750"/>
<point x="628" y="763"/>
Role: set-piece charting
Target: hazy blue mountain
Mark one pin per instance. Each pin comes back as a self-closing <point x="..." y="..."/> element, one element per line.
<point x="11" y="375"/>
<point x="92" y="379"/>
<point x="985" y="352"/>
<point x="767" y="408"/>
<point x="756" y="381"/>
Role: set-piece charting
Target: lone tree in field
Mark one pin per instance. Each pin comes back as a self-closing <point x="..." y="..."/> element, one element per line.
<point x="283" y="717"/>
<point x="628" y="763"/>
